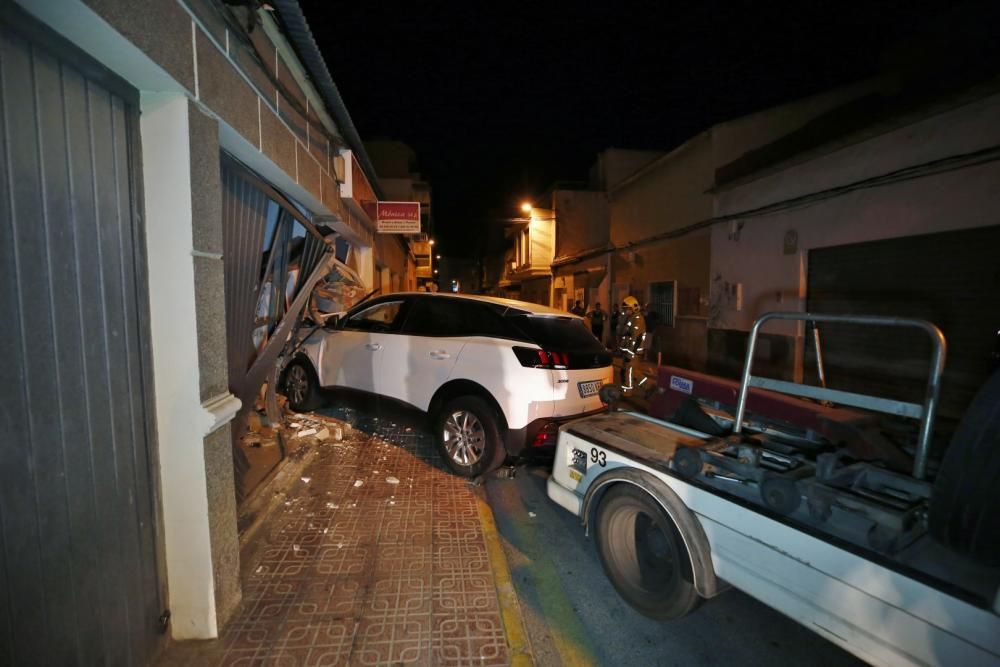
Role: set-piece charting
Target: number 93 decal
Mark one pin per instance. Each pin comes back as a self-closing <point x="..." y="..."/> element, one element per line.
<point x="598" y="457"/>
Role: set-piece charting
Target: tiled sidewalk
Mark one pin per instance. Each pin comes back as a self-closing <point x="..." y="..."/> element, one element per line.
<point x="377" y="557"/>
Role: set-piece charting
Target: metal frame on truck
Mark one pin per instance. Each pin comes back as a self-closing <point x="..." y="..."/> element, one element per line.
<point x="855" y="562"/>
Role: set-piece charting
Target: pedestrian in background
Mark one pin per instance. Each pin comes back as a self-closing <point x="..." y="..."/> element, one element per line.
<point x="597" y="317"/>
<point x="578" y="309"/>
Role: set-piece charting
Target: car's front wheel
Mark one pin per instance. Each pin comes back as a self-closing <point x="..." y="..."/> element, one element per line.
<point x="301" y="387"/>
<point x="468" y="436"/>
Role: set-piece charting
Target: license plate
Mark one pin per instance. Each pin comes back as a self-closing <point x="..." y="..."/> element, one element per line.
<point x="589" y="388"/>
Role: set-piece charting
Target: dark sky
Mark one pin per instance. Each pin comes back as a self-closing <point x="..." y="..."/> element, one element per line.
<point x="501" y="99"/>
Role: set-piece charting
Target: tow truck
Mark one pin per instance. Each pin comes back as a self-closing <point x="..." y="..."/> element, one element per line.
<point x="898" y="567"/>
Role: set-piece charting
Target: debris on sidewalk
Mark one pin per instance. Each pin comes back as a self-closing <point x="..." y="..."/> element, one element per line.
<point x="332" y="531"/>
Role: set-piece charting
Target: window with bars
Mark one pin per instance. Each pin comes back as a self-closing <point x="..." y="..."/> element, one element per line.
<point x="662" y="297"/>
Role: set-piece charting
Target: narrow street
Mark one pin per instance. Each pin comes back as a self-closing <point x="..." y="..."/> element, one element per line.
<point x="572" y="614"/>
<point x="353" y="567"/>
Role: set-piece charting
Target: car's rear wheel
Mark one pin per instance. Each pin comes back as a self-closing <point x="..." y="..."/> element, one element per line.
<point x="468" y="435"/>
<point x="301" y="387"/>
<point x="643" y="554"/>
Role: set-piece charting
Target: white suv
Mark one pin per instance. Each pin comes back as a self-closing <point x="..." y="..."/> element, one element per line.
<point x="496" y="376"/>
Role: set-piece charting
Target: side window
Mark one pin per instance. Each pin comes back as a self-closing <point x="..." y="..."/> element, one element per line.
<point x="486" y="321"/>
<point x="437" y="317"/>
<point x="380" y="317"/>
<point x="455" y="317"/>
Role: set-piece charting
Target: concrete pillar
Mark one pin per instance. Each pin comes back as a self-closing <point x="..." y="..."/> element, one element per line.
<point x="189" y="463"/>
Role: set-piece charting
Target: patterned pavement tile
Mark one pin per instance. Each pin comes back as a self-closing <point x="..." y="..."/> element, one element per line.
<point x="324" y="600"/>
<point x="377" y="557"/>
<point x="469" y="639"/>
<point x="393" y="641"/>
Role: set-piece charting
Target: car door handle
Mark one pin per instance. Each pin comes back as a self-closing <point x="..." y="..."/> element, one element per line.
<point x="373" y="346"/>
<point x="439" y="354"/>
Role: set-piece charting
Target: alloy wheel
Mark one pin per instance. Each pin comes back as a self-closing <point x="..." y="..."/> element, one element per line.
<point x="297" y="384"/>
<point x="464" y="437"/>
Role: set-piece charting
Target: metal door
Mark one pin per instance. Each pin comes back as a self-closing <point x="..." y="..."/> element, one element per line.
<point x="950" y="278"/>
<point x="79" y="575"/>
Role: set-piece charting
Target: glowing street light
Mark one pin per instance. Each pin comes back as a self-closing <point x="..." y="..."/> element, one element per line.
<point x="432" y="241"/>
<point x="526" y="207"/>
<point x="437" y="256"/>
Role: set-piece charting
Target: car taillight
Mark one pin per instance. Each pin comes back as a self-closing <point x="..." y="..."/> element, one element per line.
<point x="536" y="358"/>
<point x="533" y="357"/>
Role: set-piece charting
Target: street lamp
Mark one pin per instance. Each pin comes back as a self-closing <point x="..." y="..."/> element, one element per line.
<point x="526" y="207"/>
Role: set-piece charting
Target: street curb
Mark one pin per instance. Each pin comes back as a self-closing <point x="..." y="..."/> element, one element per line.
<point x="510" y="608"/>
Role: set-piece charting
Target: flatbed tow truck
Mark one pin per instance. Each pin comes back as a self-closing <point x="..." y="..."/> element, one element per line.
<point x="897" y="567"/>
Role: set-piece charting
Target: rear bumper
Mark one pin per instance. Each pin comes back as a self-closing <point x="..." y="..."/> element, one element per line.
<point x="518" y="442"/>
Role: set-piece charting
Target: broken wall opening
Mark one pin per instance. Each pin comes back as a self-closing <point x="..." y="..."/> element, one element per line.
<point x="274" y="258"/>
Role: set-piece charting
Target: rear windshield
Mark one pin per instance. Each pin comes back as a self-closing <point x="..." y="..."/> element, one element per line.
<point x="566" y="334"/>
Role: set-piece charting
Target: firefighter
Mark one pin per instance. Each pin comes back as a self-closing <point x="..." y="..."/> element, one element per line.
<point x="633" y="341"/>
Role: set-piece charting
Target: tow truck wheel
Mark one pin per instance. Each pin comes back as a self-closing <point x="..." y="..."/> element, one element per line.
<point x="643" y="554"/>
<point x="964" y="513"/>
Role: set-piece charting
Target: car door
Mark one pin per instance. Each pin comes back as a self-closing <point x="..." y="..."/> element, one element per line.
<point x="352" y="355"/>
<point x="432" y="337"/>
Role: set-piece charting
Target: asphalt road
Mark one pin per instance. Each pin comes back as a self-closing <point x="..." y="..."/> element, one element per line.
<point x="574" y="616"/>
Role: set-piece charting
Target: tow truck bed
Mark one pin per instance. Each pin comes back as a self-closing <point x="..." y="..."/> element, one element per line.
<point x="841" y="546"/>
<point x="885" y="612"/>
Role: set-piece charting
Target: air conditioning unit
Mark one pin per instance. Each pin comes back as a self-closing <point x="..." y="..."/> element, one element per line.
<point x="339" y="168"/>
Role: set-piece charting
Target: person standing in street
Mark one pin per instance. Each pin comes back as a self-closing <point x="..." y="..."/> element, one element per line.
<point x="633" y="341"/>
<point x="621" y="318"/>
<point x="578" y="309"/>
<point x="597" y="317"/>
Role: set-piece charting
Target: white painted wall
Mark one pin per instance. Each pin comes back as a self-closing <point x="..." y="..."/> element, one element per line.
<point x="181" y="422"/>
<point x="965" y="129"/>
<point x="733" y="138"/>
<point x="960" y="199"/>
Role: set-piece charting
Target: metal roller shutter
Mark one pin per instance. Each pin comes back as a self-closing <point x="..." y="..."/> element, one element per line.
<point x="951" y="279"/>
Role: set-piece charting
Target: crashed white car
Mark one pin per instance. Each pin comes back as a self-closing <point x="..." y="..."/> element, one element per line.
<point x="496" y="376"/>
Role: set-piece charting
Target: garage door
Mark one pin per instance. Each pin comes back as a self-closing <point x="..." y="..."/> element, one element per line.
<point x="79" y="577"/>
<point x="951" y="279"/>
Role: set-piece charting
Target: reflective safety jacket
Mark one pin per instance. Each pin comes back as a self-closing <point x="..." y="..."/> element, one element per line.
<point x="634" y="338"/>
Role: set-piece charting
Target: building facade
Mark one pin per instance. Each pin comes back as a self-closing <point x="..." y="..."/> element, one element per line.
<point x="190" y="173"/>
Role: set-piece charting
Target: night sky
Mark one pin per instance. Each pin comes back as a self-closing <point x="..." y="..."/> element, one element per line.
<point x="501" y="99"/>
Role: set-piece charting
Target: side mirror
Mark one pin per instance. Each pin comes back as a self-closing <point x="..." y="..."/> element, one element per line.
<point x="332" y="321"/>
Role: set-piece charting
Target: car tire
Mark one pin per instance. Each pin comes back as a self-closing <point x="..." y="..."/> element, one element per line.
<point x="643" y="554"/>
<point x="301" y="386"/>
<point x="468" y="436"/>
<point x="964" y="512"/>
